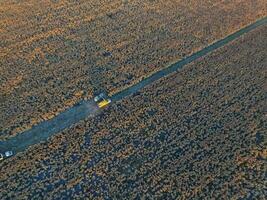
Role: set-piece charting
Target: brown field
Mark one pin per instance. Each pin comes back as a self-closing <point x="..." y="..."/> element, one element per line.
<point x="198" y="133"/>
<point x="55" y="53"/>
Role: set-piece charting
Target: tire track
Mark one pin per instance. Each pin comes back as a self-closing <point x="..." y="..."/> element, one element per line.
<point x="84" y="109"/>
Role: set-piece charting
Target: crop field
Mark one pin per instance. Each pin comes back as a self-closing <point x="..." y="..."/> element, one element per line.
<point x="196" y="133"/>
<point x="55" y="53"/>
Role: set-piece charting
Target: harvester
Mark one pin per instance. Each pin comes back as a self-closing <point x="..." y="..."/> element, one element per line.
<point x="102" y="100"/>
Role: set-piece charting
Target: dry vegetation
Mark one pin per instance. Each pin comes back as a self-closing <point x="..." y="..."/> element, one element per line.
<point x="195" y="134"/>
<point x="54" y="53"/>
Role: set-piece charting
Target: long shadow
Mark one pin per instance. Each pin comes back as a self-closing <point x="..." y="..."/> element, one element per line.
<point x="84" y="109"/>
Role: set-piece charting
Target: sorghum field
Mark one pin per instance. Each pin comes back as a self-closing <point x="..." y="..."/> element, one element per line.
<point x="55" y="53"/>
<point x="198" y="133"/>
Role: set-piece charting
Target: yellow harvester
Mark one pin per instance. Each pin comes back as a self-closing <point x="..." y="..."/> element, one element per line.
<point x="102" y="100"/>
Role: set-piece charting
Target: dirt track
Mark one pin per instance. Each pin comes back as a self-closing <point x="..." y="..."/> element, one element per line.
<point x="88" y="108"/>
<point x="54" y="54"/>
<point x="196" y="134"/>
